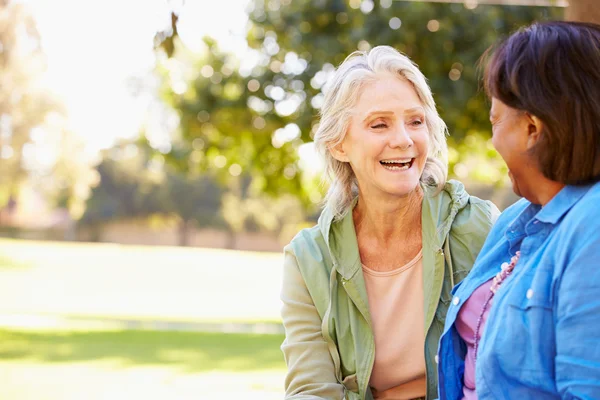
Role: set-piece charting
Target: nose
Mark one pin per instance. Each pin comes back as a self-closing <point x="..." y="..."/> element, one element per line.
<point x="400" y="138"/>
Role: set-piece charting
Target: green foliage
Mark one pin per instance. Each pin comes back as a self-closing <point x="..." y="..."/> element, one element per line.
<point x="135" y="183"/>
<point x="224" y="129"/>
<point x="244" y="127"/>
<point x="444" y="40"/>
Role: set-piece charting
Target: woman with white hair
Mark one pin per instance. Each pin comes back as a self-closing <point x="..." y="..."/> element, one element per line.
<point x="365" y="292"/>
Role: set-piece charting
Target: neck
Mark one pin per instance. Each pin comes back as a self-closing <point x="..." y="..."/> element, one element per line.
<point x="545" y="190"/>
<point x="549" y="192"/>
<point x="385" y="219"/>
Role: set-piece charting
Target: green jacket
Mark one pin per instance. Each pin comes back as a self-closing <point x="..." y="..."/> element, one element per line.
<point x="329" y="346"/>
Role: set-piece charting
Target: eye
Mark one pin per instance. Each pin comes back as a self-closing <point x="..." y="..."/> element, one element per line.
<point x="417" y="122"/>
<point x="379" y="125"/>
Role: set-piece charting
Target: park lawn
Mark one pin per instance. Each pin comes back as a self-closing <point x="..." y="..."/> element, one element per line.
<point x="108" y="282"/>
<point x="139" y="282"/>
<point x="139" y="364"/>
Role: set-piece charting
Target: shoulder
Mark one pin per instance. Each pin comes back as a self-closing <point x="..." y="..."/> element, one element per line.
<point x="512" y="212"/>
<point x="308" y="252"/>
<point x="505" y="219"/>
<point x="473" y="214"/>
<point x="496" y="233"/>
<point x="308" y="242"/>
<point x="580" y="228"/>
<point x="585" y="215"/>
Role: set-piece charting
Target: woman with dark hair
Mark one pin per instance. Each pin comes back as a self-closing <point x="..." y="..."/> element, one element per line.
<point x="525" y="323"/>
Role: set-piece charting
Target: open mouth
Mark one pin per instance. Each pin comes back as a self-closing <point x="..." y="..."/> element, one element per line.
<point x="399" y="164"/>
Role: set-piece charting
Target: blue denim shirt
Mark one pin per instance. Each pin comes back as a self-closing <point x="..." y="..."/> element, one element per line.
<point x="542" y="337"/>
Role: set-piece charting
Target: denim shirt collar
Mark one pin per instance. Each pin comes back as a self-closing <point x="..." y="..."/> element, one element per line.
<point x="556" y="208"/>
<point x="561" y="203"/>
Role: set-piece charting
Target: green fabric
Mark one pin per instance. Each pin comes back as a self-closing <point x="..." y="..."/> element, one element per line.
<point x="325" y="259"/>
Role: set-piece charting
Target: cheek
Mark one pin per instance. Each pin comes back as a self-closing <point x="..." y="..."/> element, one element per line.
<point x="499" y="144"/>
<point x="423" y="143"/>
<point x="495" y="142"/>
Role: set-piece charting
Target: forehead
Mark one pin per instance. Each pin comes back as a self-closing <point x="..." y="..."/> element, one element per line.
<point x="387" y="91"/>
<point x="498" y="107"/>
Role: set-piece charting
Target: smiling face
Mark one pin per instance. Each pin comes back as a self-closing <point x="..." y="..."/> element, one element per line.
<point x="511" y="137"/>
<point x="387" y="140"/>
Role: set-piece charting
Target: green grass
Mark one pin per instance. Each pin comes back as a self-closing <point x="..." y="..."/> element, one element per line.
<point x="139" y="282"/>
<point x="186" y="351"/>
<point x="119" y="365"/>
<point x="104" y="283"/>
<point x="10" y="263"/>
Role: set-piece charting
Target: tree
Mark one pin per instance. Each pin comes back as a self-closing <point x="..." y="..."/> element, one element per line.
<point x="24" y="105"/>
<point x="126" y="187"/>
<point x="135" y="183"/>
<point x="195" y="201"/>
<point x="302" y="42"/>
<point x="227" y="132"/>
<point x="244" y="126"/>
<point x="224" y="128"/>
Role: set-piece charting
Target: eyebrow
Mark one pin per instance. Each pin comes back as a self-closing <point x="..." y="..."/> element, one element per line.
<point x="413" y="110"/>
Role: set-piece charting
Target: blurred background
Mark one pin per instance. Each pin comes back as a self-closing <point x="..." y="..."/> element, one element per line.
<point x="156" y="155"/>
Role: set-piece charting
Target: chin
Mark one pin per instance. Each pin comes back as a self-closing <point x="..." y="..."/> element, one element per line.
<point x="404" y="189"/>
<point x="516" y="190"/>
<point x="515" y="185"/>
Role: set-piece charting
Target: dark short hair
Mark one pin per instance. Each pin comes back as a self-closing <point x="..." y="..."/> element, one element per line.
<point x="552" y="70"/>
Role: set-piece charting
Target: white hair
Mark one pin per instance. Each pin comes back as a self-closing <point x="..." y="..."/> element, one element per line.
<point x="341" y="94"/>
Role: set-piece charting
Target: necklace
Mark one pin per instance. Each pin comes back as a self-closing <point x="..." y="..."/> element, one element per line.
<point x="506" y="270"/>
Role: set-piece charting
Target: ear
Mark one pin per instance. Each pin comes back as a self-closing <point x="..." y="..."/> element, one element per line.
<point x="338" y="153"/>
<point x="534" y="129"/>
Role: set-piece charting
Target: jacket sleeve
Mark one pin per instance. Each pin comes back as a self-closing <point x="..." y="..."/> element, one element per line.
<point x="311" y="372"/>
<point x="577" y="362"/>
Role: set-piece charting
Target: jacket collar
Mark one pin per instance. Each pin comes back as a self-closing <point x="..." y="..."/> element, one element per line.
<point x="341" y="240"/>
<point x="439" y="211"/>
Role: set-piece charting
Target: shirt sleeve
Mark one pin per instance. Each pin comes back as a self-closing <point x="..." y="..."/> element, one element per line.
<point x="578" y="325"/>
<point x="311" y="372"/>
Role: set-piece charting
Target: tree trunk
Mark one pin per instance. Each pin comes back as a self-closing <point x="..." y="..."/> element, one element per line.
<point x="231" y="239"/>
<point x="583" y="11"/>
<point x="70" y="234"/>
<point x="7" y="212"/>
<point x="184" y="233"/>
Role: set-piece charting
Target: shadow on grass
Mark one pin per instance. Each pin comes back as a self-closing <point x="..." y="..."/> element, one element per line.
<point x="190" y="351"/>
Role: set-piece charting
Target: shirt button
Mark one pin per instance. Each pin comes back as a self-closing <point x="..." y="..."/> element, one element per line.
<point x="530" y="293"/>
<point x="343" y="283"/>
<point x="437" y="359"/>
<point x="455" y="300"/>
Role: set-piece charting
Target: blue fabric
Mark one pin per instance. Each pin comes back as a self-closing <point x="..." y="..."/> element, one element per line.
<point x="542" y="337"/>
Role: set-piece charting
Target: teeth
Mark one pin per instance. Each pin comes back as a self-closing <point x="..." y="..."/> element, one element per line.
<point x="398" y="161"/>
<point x="395" y="168"/>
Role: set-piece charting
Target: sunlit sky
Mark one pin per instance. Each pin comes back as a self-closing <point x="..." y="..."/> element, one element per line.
<point x="95" y="47"/>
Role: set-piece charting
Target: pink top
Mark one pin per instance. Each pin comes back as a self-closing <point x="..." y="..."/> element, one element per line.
<point x="466" y="323"/>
